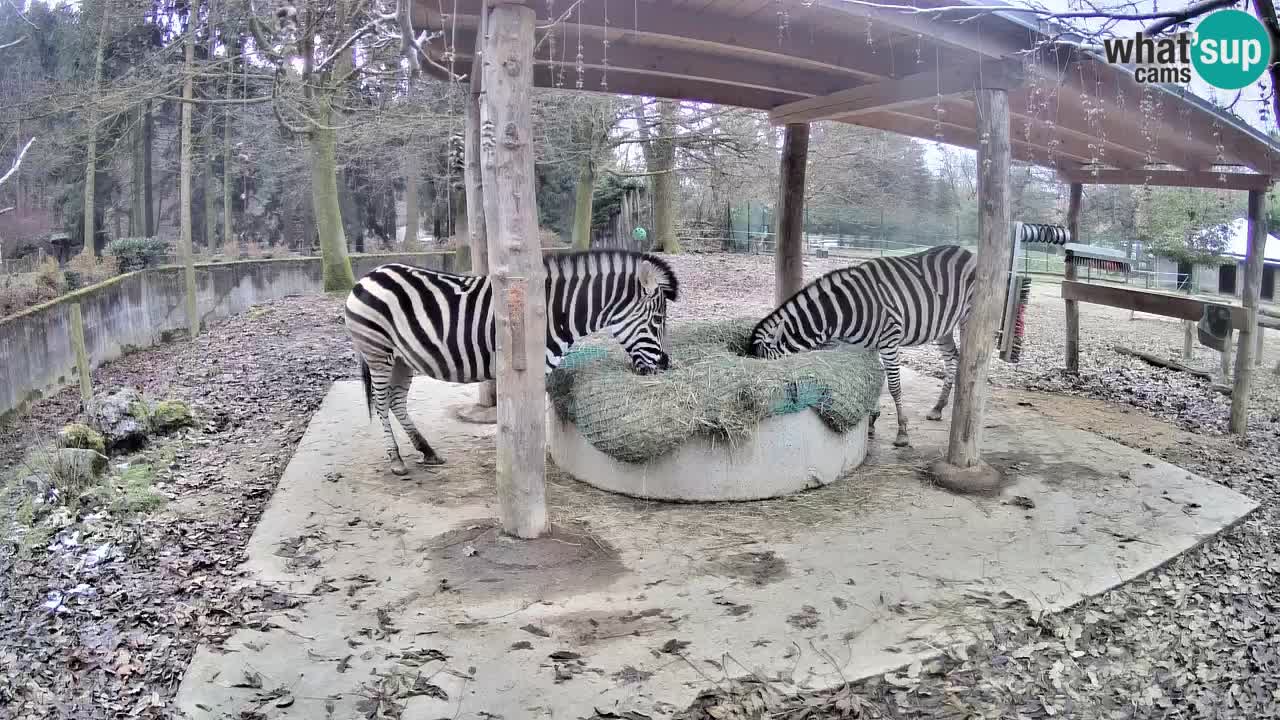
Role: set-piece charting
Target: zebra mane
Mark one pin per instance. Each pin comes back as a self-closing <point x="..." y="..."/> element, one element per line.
<point x="668" y="280"/>
<point x="777" y="312"/>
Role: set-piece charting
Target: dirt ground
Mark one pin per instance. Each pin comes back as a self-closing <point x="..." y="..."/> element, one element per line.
<point x="87" y="633"/>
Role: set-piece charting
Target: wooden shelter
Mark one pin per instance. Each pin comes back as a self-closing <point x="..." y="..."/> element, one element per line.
<point x="1003" y="83"/>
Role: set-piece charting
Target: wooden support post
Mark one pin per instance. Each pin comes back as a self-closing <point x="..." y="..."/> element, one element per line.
<point x="788" y="257"/>
<point x="515" y="265"/>
<point x="487" y="396"/>
<point x="963" y="468"/>
<point x="1072" y="307"/>
<point x="1224" y="360"/>
<point x="1257" y="352"/>
<point x="82" y="354"/>
<point x="1249" y="296"/>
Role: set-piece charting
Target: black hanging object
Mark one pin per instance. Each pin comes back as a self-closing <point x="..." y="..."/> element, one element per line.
<point x="1044" y="234"/>
<point x="1214" y="327"/>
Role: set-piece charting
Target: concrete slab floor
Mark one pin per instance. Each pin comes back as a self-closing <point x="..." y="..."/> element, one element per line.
<point x="407" y="589"/>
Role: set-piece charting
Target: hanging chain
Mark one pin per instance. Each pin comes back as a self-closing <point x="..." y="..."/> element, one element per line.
<point x="604" y="60"/>
<point x="581" y="63"/>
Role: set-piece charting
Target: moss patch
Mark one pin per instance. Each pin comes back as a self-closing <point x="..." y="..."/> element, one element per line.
<point x="136" y="492"/>
<point x="169" y="415"/>
<point x="79" y="435"/>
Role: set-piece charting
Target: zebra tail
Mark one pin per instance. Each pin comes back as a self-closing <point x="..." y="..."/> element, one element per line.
<point x="367" y="379"/>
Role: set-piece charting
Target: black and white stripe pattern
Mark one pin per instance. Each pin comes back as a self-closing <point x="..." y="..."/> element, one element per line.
<point x="406" y="321"/>
<point x="884" y="304"/>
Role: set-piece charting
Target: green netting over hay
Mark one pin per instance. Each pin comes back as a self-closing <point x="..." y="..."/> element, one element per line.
<point x="712" y="389"/>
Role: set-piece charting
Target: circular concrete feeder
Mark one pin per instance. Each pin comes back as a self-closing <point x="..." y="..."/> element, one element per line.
<point x="786" y="454"/>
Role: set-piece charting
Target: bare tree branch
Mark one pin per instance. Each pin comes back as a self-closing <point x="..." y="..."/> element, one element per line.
<point x="11" y="43"/>
<point x="1185" y="14"/>
<point x="17" y="162"/>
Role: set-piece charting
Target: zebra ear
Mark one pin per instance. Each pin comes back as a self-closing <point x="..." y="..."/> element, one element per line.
<point x="648" y="276"/>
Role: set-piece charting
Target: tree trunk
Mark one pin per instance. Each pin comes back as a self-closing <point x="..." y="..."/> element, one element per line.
<point x="210" y="207"/>
<point x="91" y="164"/>
<point x="665" y="221"/>
<point x="185" y="162"/>
<point x="18" y="200"/>
<point x="151" y="215"/>
<point x="338" y="277"/>
<point x="582" y="203"/>
<point x="660" y="159"/>
<point x="229" y="245"/>
<point x="461" y="235"/>
<point x="137" y="210"/>
<point x="326" y="211"/>
<point x="412" y="212"/>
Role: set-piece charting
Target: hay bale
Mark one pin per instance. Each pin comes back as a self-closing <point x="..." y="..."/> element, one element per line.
<point x="712" y="389"/>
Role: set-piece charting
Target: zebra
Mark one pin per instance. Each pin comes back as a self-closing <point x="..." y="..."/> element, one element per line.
<point x="406" y="321"/>
<point x="884" y="303"/>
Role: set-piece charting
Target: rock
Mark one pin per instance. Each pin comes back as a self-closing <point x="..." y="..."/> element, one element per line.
<point x="36" y="485"/>
<point x="121" y="417"/>
<point x="170" y="415"/>
<point x="75" y="468"/>
<point x="79" y="435"/>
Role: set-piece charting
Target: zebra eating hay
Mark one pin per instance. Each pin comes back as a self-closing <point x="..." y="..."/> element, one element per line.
<point x="884" y="304"/>
<point x="406" y="321"/>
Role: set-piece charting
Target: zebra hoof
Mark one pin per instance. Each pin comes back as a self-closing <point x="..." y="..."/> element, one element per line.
<point x="934" y="415"/>
<point x="901" y="441"/>
<point x="399" y="470"/>
<point x="432" y="460"/>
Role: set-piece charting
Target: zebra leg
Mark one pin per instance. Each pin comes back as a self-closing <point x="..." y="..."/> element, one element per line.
<point x="950" y="356"/>
<point x="889" y="358"/>
<point x="380" y="377"/>
<point x="401" y="379"/>
<point x="875" y="414"/>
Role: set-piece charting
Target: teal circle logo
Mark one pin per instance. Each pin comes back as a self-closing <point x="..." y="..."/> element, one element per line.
<point x="1232" y="49"/>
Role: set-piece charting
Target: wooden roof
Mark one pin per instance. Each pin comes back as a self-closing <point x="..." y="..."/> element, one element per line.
<point x="910" y="73"/>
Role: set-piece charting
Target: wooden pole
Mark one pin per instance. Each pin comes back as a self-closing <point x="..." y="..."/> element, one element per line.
<point x="82" y="354"/>
<point x="788" y="256"/>
<point x="1073" y="307"/>
<point x="487" y="395"/>
<point x="515" y="265"/>
<point x="1224" y="360"/>
<point x="1257" y="351"/>
<point x="994" y="246"/>
<point x="1249" y="296"/>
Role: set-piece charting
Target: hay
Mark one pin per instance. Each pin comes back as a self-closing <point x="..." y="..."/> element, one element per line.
<point x="712" y="389"/>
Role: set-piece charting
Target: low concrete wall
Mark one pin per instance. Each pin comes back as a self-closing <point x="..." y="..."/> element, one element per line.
<point x="141" y="309"/>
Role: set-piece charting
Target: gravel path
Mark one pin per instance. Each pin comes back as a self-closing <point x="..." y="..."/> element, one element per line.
<point x="111" y="638"/>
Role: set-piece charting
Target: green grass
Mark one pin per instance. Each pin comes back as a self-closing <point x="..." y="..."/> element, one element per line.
<point x="136" y="492"/>
<point x="126" y="494"/>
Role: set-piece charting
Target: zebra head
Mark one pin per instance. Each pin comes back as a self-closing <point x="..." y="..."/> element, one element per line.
<point x="767" y="338"/>
<point x="640" y="326"/>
